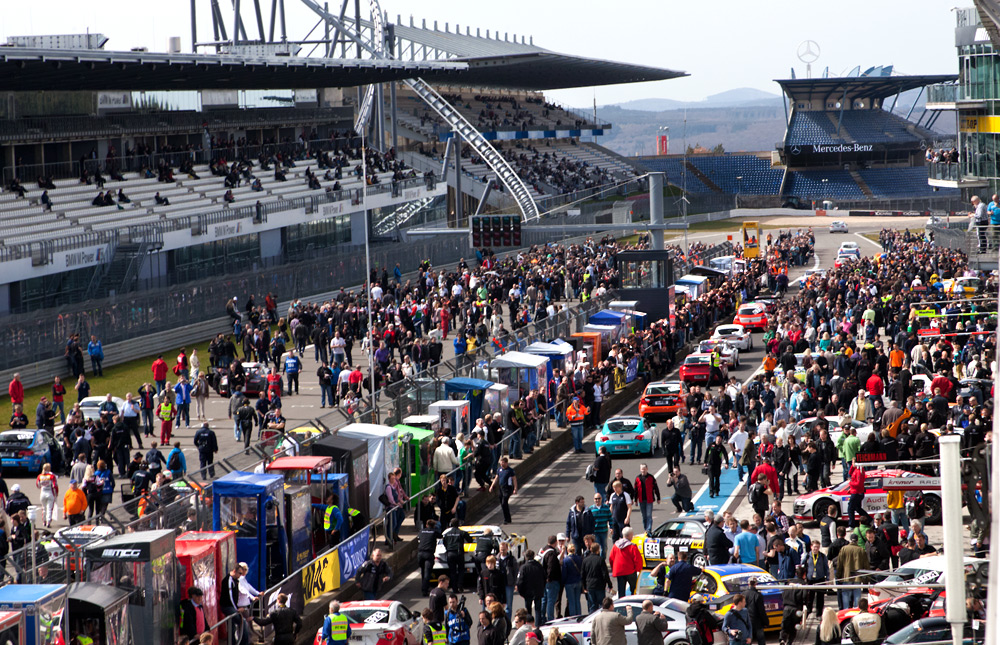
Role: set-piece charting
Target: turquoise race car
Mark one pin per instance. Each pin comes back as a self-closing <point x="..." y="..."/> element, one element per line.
<point x="628" y="434"/>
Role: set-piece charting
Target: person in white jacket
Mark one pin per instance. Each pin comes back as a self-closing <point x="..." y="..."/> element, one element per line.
<point x="445" y="460"/>
<point x="247" y="593"/>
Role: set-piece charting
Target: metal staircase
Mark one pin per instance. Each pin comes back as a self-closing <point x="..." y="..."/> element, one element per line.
<point x="487" y="152"/>
<point x="400" y="216"/>
<point x="376" y="47"/>
<point x="102" y="269"/>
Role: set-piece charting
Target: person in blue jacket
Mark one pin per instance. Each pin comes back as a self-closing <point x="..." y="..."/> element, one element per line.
<point x="176" y="463"/>
<point x="292" y="368"/>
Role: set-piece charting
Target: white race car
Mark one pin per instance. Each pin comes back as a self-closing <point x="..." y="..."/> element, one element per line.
<point x="917" y="573"/>
<point x="380" y="622"/>
<point x="802" y="279"/>
<point x="580" y="627"/>
<point x="735" y="335"/>
<point x="838" y="226"/>
<point x="851" y="247"/>
<point x="91" y="406"/>
<point x="878" y="483"/>
<point x="730" y="354"/>
<point x="833" y="423"/>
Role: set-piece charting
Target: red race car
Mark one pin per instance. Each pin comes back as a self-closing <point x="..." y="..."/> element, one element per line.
<point x="661" y="399"/>
<point x="697" y="368"/>
<point x="380" y="622"/>
<point x="752" y="315"/>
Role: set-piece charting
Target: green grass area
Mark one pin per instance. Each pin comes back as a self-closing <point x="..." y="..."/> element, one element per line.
<point x="117" y="380"/>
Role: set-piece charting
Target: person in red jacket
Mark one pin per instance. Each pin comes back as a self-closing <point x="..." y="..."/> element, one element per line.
<point x="159" y="369"/>
<point x="626" y="562"/>
<point x="16" y="390"/>
<point x="769" y="471"/>
<point x="857" y="490"/>
<point x="942" y="381"/>
<point x="875" y="387"/>
<point x="646" y="492"/>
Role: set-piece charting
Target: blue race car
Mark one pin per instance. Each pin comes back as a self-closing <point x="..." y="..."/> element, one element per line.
<point x="719" y="583"/>
<point x="27" y="449"/>
<point x="628" y="434"/>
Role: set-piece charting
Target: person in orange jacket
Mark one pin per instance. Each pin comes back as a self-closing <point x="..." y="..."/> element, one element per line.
<point x="74" y="503"/>
<point x="576" y="413"/>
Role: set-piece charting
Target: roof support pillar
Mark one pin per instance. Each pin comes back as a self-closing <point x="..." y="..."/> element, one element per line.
<point x="656" y="210"/>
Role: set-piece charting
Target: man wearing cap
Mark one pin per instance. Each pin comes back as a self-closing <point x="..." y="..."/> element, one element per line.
<point x="576" y="413"/>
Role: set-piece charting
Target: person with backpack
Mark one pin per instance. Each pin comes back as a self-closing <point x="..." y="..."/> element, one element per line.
<point x="245" y="418"/>
<point x="531" y="585"/>
<point x="716" y="458"/>
<point x="758" y="495"/>
<point x="207" y="444"/>
<point x="701" y="622"/>
<point x="176" y="463"/>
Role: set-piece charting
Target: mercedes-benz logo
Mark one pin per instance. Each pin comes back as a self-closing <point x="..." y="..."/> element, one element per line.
<point x="795" y="150"/>
<point x="808" y="51"/>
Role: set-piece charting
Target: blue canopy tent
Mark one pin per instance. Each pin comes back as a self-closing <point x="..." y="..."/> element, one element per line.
<point x="557" y="353"/>
<point x="252" y="506"/>
<point x="471" y="389"/>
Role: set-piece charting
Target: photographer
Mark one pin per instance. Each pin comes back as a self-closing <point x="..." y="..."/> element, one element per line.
<point x="736" y="624"/>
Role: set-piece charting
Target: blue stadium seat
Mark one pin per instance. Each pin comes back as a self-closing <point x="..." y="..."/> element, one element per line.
<point x="674" y="168"/>
<point x="808" y="128"/>
<point x="838" y="185"/>
<point x="758" y="178"/>
<point x="903" y="182"/>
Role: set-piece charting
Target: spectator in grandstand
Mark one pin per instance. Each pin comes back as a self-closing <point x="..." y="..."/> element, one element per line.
<point x="161" y="201"/>
<point x="228" y="197"/>
<point x="46" y="201"/>
<point x="122" y="197"/>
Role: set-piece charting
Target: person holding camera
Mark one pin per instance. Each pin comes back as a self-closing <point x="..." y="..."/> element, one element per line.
<point x="736" y="624"/>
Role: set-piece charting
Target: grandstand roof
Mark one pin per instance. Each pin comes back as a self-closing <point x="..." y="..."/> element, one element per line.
<point x="26" y="70"/>
<point x="858" y="87"/>
<point x="509" y="64"/>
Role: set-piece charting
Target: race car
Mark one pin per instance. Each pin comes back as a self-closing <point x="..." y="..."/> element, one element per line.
<point x="809" y="506"/>
<point x="661" y="399"/>
<point x="752" y="315"/>
<point x="91" y="406"/>
<point x="518" y="545"/>
<point x="920" y="603"/>
<point x="809" y="276"/>
<point x="838" y="226"/>
<point x="380" y="622"/>
<point x="843" y="258"/>
<point x="27" y="449"/>
<point x="850" y="247"/>
<point x="805" y="427"/>
<point x="800" y="370"/>
<point x="735" y="335"/>
<point x="721" y="582"/>
<point x="72" y="539"/>
<point x="729" y="353"/>
<point x="667" y="538"/>
<point x="628" y="434"/>
<point x="579" y="627"/>
<point x="916" y="573"/>
<point x="967" y="286"/>
<point x="935" y="630"/>
<point x="697" y="368"/>
<point x="256" y="380"/>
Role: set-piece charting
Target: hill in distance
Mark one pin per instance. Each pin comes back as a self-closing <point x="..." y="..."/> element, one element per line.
<point x="736" y="97"/>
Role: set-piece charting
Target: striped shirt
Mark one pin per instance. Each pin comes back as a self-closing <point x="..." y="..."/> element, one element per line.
<point x="602" y="515"/>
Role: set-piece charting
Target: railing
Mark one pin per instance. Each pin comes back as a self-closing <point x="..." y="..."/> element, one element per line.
<point x="943" y="171"/>
<point x="29" y="173"/>
<point x="967" y="17"/>
<point x="942" y="93"/>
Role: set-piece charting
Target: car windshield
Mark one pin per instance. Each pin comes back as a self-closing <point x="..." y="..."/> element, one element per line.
<point x="663" y="388"/>
<point x="918" y="633"/>
<point x="905" y="574"/>
<point x="750" y="310"/>
<point x="19" y="438"/>
<point x="623" y="425"/>
<point x="696" y="360"/>
<point x="741" y="582"/>
<point x="367" y="615"/>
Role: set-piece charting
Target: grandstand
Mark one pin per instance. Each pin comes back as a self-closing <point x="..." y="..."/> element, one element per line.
<point x="735" y="174"/>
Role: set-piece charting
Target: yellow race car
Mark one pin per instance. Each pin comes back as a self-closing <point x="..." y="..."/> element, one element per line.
<point x="718" y="584"/>
<point x="664" y="540"/>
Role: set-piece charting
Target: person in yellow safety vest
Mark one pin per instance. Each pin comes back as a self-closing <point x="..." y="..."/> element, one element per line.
<point x="435" y="633"/>
<point x="333" y="519"/>
<point x="576" y="413"/>
<point x="716" y="369"/>
<point x="336" y="626"/>
<point x="167" y="412"/>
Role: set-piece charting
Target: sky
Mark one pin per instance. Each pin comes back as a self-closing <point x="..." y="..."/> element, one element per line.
<point x="723" y="44"/>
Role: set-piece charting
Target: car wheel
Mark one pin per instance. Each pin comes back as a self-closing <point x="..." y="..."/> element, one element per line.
<point x="932" y="504"/>
<point x="699" y="560"/>
<point x="820" y="507"/>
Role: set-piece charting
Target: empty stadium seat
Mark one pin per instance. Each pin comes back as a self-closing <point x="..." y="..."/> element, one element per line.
<point x="825" y="184"/>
